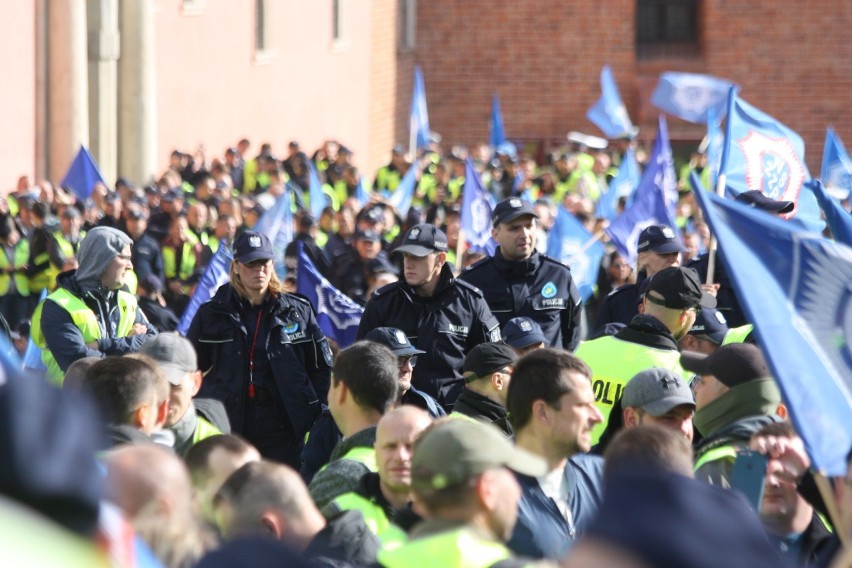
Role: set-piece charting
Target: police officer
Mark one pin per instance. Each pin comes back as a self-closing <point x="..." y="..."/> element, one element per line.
<point x="658" y="248"/>
<point x="443" y="316"/>
<point x="518" y="281"/>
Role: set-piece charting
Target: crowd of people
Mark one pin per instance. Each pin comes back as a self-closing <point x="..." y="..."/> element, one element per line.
<point x="485" y="415"/>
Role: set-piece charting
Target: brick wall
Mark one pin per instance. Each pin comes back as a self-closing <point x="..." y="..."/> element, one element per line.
<point x="544" y="59"/>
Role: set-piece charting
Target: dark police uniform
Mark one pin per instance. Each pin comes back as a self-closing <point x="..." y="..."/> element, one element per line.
<point x="447" y="325"/>
<point x="539" y="288"/>
<point x="621" y="305"/>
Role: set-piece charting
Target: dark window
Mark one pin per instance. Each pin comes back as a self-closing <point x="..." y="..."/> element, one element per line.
<point x="666" y="28"/>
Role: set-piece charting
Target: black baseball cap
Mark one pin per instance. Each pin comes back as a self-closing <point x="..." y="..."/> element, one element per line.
<point x="678" y="288"/>
<point x="732" y="364"/>
<point x="660" y="239"/>
<point x="487" y="358"/>
<point x="423" y="239"/>
<point x="394" y="339"/>
<point x="251" y="245"/>
<point x="510" y="209"/>
<point x="710" y="323"/>
<point x="366" y="235"/>
<point x="758" y="200"/>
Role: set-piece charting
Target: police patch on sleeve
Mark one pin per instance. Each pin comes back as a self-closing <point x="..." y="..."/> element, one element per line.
<point x="326" y="352"/>
<point x="548" y="290"/>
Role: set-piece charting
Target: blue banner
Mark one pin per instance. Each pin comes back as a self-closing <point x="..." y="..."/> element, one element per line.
<point x="402" y="196"/>
<point x="363" y="191"/>
<point x="764" y="155"/>
<point x="317" y="196"/>
<point x="277" y="224"/>
<point x="654" y="200"/>
<point x="82" y="175"/>
<point x="419" y="116"/>
<point x="836" y="171"/>
<point x="497" y="134"/>
<point x="215" y="275"/>
<point x="839" y="220"/>
<point x="609" y="113"/>
<point x="623" y="184"/>
<point x="476" y="209"/>
<point x="337" y="314"/>
<point x="794" y="287"/>
<point x="566" y="243"/>
<point x="715" y="146"/>
<point x="691" y="96"/>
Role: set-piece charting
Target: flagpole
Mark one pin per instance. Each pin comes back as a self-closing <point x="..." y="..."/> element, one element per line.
<point x="459" y="251"/>
<point x="833" y="512"/>
<point x="711" y="253"/>
<point x="587" y="245"/>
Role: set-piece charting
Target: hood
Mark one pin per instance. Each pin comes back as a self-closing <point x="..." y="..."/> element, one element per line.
<point x="97" y="251"/>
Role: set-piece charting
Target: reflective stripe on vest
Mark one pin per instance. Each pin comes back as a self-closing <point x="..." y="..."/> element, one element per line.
<point x="66" y="246"/>
<point x="360" y="454"/>
<point x="390" y="535"/>
<point x="21" y="254"/>
<point x="459" y="548"/>
<point x="614" y="362"/>
<point x="720" y="453"/>
<point x="84" y="319"/>
<point x="187" y="264"/>
<point x="737" y="334"/>
<point x="203" y="429"/>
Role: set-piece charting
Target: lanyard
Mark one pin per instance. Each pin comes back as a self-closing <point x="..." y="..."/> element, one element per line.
<point x="251" y="391"/>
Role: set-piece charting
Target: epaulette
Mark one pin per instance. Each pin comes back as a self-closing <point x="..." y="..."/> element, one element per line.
<point x="387" y="288"/>
<point x="300" y="297"/>
<point x="619" y="289"/>
<point x="553" y="260"/>
<point x="469" y="286"/>
<point x="478" y="263"/>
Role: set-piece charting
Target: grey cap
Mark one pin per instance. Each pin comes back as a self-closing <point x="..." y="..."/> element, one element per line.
<point x="175" y="355"/>
<point x="657" y="391"/>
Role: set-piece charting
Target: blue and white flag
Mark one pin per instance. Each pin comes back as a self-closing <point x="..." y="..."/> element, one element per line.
<point x="836" y="167"/>
<point x="32" y="361"/>
<point x="419" y="116"/>
<point x="764" y="155"/>
<point x="623" y="184"/>
<point x="82" y="175"/>
<point x="654" y="200"/>
<point x="691" y="96"/>
<point x="477" y="206"/>
<point x="715" y="146"/>
<point x="277" y="224"/>
<point x="566" y="243"/>
<point x="609" y="113"/>
<point x="497" y="134"/>
<point x="317" y="195"/>
<point x="794" y="287"/>
<point x="403" y="195"/>
<point x="215" y="275"/>
<point x="337" y="314"/>
<point x="363" y="191"/>
<point x="839" y="220"/>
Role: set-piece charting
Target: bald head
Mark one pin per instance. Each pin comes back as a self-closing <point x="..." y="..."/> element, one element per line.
<point x="395" y="436"/>
<point x="145" y="476"/>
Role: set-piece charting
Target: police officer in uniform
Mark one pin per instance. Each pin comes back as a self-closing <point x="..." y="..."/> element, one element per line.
<point x="518" y="281"/>
<point x="658" y="248"/>
<point x="443" y="316"/>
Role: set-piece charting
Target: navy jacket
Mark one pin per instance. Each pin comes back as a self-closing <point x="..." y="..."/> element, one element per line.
<point x="297" y="350"/>
<point x="447" y="326"/>
<point x="539" y="288"/>
<point x="541" y="530"/>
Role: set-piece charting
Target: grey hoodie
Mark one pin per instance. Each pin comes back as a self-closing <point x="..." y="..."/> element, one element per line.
<point x="97" y="251"/>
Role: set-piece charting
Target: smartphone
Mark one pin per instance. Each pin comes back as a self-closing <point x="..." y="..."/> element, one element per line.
<point x="748" y="475"/>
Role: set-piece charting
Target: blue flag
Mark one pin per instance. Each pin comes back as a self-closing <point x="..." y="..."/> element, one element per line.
<point x="419" y="116"/>
<point x="839" y="220"/>
<point x="497" y="134"/>
<point x="32" y="361"/>
<point x="654" y="200"/>
<point x="215" y="275"/>
<point x="691" y="96"/>
<point x="277" y="224"/>
<point x="568" y="242"/>
<point x="762" y="154"/>
<point x="82" y="175"/>
<point x="715" y="146"/>
<point x="317" y="196"/>
<point x="622" y="185"/>
<point x="337" y="314"/>
<point x="363" y="191"/>
<point x="609" y="113"/>
<point x="402" y="196"/>
<point x="476" y="210"/>
<point x="836" y="166"/>
<point x="794" y="287"/>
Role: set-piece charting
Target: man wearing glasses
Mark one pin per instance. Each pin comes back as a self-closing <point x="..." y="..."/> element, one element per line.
<point x="487" y="372"/>
<point x="671" y="304"/>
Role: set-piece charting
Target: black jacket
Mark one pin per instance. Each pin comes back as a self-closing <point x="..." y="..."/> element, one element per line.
<point x="147" y="258"/>
<point x="539" y="288"/>
<point x="161" y="317"/>
<point x="482" y="408"/>
<point x="297" y="350"/>
<point x="620" y="306"/>
<point x="726" y="297"/>
<point x="447" y="326"/>
<point x="345" y="541"/>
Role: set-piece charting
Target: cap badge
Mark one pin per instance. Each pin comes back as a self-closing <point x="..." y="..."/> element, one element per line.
<point x="254" y="242"/>
<point x="548" y="290"/>
<point x="668" y="233"/>
<point x="526" y="326"/>
<point x="414" y="234"/>
<point x="515" y="203"/>
<point x="401" y="338"/>
<point x="720" y="318"/>
<point x="669" y="381"/>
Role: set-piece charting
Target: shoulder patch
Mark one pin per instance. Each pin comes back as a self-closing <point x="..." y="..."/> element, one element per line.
<point x="468" y="286"/>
